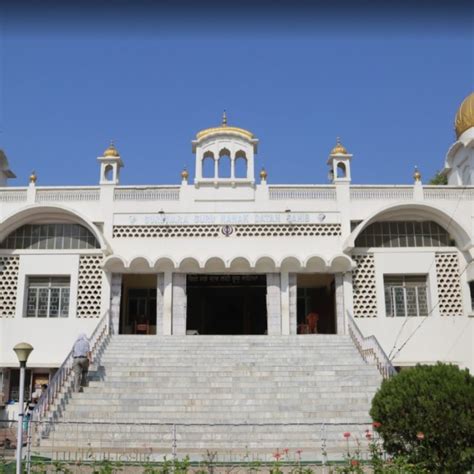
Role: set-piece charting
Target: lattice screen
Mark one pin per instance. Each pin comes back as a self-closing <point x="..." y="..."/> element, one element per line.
<point x="89" y="286"/>
<point x="8" y="285"/>
<point x="449" y="284"/>
<point x="242" y="230"/>
<point x="364" y="289"/>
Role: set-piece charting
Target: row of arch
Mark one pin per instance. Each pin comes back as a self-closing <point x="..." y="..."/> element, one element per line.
<point x="224" y="165"/>
<point x="263" y="264"/>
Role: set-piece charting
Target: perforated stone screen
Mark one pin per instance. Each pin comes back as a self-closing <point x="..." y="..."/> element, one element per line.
<point x="8" y="285"/>
<point x="250" y="230"/>
<point x="89" y="286"/>
<point x="364" y="289"/>
<point x="449" y="284"/>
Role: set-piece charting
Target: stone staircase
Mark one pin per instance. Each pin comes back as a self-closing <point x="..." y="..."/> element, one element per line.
<point x="237" y="395"/>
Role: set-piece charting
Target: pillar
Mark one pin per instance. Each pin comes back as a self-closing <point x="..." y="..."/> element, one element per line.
<point x="179" y="304"/>
<point x="339" y="282"/>
<point x="160" y="286"/>
<point x="273" y="304"/>
<point x="293" y="300"/>
<point x="115" y="302"/>
<point x="167" y="302"/>
<point x="285" y="303"/>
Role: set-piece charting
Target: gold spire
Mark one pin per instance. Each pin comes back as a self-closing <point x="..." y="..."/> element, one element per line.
<point x="184" y="174"/>
<point x="111" y="150"/>
<point x="465" y="115"/>
<point x="339" y="149"/>
<point x="417" y="175"/>
<point x="263" y="174"/>
<point x="224" y="119"/>
<point x="33" y="177"/>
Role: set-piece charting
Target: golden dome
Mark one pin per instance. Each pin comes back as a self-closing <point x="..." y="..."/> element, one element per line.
<point x="339" y="149"/>
<point x="263" y="174"/>
<point x="185" y="174"/>
<point x="417" y="175"/>
<point x="465" y="115"/>
<point x="224" y="128"/>
<point x="111" y="150"/>
<point x="33" y="177"/>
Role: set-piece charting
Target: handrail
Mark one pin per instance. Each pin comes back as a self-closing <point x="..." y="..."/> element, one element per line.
<point x="370" y="349"/>
<point x="61" y="376"/>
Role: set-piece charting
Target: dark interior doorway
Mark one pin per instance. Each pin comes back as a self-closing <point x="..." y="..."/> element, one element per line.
<point x="226" y="304"/>
<point x="316" y="294"/>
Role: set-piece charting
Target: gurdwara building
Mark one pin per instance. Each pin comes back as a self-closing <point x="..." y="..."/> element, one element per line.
<point x="228" y="253"/>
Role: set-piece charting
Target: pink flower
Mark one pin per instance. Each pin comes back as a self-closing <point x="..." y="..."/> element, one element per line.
<point x="277" y="455"/>
<point x="354" y="462"/>
<point x="368" y="434"/>
<point x="376" y="424"/>
<point x="286" y="451"/>
<point x="420" y="435"/>
<point x="347" y="434"/>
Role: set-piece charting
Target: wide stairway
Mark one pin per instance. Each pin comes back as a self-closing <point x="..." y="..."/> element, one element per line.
<point x="236" y="395"/>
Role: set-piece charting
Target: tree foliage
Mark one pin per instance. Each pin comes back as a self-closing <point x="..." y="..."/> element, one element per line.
<point x="426" y="413"/>
<point x="439" y="179"/>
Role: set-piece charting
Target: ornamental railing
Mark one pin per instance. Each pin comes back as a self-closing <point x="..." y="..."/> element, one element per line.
<point x="67" y="194"/>
<point x="164" y="193"/>
<point x="444" y="193"/>
<point x="381" y="192"/>
<point x="370" y="349"/>
<point x="13" y="195"/>
<point x="280" y="193"/>
<point x="63" y="378"/>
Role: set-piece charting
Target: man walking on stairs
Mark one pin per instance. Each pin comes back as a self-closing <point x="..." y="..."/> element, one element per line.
<point x="81" y="353"/>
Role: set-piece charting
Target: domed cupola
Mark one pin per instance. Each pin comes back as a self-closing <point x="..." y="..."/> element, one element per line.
<point x="224" y="155"/>
<point x="465" y="116"/>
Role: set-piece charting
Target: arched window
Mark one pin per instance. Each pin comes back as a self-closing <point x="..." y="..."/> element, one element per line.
<point x="208" y="170"/>
<point x="109" y="173"/>
<point x="50" y="237"/>
<point x="404" y="234"/>
<point x="224" y="163"/>
<point x="240" y="165"/>
<point x="341" y="170"/>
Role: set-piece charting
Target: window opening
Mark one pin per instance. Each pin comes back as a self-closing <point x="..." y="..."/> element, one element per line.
<point x="109" y="173"/>
<point x="471" y="288"/>
<point x="406" y="295"/>
<point x="341" y="170"/>
<point x="208" y="170"/>
<point x="240" y="165"/>
<point x="48" y="297"/>
<point x="224" y="164"/>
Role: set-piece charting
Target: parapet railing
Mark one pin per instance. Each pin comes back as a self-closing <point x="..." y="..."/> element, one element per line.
<point x="381" y="192"/>
<point x="445" y="193"/>
<point x="67" y="194"/>
<point x="370" y="349"/>
<point x="13" y="195"/>
<point x="281" y="193"/>
<point x="147" y="193"/>
<point x="62" y="377"/>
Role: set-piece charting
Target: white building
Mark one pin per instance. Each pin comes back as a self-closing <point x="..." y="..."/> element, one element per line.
<point x="229" y="253"/>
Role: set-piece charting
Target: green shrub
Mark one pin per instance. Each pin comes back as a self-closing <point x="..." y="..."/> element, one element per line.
<point x="426" y="414"/>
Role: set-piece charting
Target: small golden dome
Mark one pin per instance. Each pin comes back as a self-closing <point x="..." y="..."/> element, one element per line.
<point x="33" y="177"/>
<point x="111" y="150"/>
<point x="465" y="115"/>
<point x="416" y="175"/>
<point x="263" y="174"/>
<point x="339" y="149"/>
<point x="185" y="174"/>
<point x="224" y="128"/>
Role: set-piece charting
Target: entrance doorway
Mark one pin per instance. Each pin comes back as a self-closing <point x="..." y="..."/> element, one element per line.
<point x="226" y="304"/>
<point x="138" y="306"/>
<point x="316" y="296"/>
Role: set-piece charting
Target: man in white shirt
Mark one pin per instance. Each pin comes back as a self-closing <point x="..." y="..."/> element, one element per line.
<point x="81" y="353"/>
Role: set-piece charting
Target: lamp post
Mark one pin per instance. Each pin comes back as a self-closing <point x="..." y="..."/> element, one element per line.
<point x="22" y="351"/>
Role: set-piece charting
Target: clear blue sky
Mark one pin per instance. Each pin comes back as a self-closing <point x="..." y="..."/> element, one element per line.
<point x="388" y="82"/>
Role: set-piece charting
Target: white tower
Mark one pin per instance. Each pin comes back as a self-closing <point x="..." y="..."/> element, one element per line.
<point x="224" y="156"/>
<point x="339" y="162"/>
<point x="459" y="163"/>
<point x="5" y="172"/>
<point x="110" y="164"/>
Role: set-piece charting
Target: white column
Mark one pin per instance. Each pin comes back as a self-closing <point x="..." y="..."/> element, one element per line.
<point x="216" y="167"/>
<point x="167" y="302"/>
<point x="293" y="300"/>
<point x="285" y="303"/>
<point x="160" y="285"/>
<point x="273" y="304"/>
<point x="179" y="304"/>
<point x="348" y="301"/>
<point x="339" y="281"/>
<point x="115" y="302"/>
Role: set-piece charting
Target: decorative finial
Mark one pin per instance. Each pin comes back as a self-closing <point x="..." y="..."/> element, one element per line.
<point x="111" y="150"/>
<point x="339" y="149"/>
<point x="184" y="174"/>
<point x="224" y="119"/>
<point x="417" y="175"/>
<point x="263" y="174"/>
<point x="33" y="177"/>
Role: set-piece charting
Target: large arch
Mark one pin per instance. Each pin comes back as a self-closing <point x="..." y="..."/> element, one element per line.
<point x="406" y="211"/>
<point x="39" y="214"/>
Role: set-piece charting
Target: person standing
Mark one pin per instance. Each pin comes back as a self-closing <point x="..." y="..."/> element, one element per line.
<point x="81" y="353"/>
